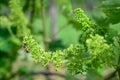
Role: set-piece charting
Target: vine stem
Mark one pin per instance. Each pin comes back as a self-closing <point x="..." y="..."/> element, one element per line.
<point x="44" y="25"/>
<point x="10" y="31"/>
<point x="32" y="10"/>
<point x="43" y="73"/>
<point x="118" y="68"/>
<point x="44" y="33"/>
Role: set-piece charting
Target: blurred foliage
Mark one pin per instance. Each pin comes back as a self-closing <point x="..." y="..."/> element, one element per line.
<point x="99" y="54"/>
<point x="9" y="41"/>
<point x="112" y="9"/>
<point x="97" y="48"/>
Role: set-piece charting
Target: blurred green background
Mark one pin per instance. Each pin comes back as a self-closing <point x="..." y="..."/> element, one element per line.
<point x="57" y="16"/>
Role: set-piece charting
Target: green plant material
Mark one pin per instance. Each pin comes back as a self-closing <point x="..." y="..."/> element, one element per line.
<point x="81" y="18"/>
<point x="97" y="45"/>
<point x="58" y="59"/>
<point x="5" y="22"/>
<point x="66" y="8"/>
<point x="75" y="62"/>
<point x="17" y="15"/>
<point x="16" y="18"/>
<point x="34" y="48"/>
<point x="112" y="9"/>
<point x="5" y="44"/>
<point x="16" y="41"/>
<point x="37" y="7"/>
<point x="101" y="52"/>
<point x="93" y="54"/>
<point x="93" y="75"/>
<point x="38" y="54"/>
<point x="71" y="56"/>
<point x="75" y="57"/>
<point x="82" y="22"/>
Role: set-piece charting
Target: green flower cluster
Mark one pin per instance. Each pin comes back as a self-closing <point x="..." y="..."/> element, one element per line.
<point x="94" y="53"/>
<point x="97" y="45"/>
<point x="81" y="17"/>
<point x="85" y="24"/>
<point x="76" y="57"/>
<point x="58" y="58"/>
<point x="40" y="55"/>
<point x="16" y="18"/>
<point x="75" y="60"/>
<point x="101" y="52"/>
<point x="34" y="48"/>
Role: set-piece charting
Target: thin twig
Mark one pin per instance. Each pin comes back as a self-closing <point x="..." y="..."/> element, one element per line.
<point x="118" y="67"/>
<point x="45" y="74"/>
<point x="44" y="25"/>
<point x="32" y="10"/>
